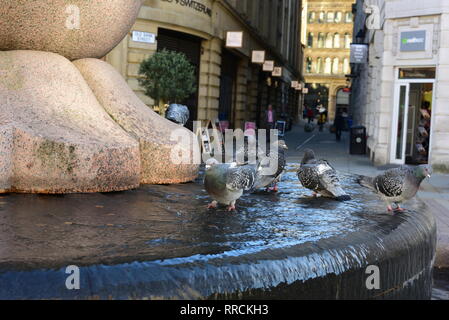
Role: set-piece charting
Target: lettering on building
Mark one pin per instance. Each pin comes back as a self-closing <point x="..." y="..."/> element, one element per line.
<point x="195" y="5"/>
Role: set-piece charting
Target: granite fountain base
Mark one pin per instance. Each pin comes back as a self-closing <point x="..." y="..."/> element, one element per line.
<point x="160" y="242"/>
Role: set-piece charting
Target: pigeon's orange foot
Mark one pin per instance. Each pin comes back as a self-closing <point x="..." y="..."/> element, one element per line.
<point x="232" y="208"/>
<point x="274" y="189"/>
<point x="314" y="195"/>
<point x="390" y="209"/>
<point x="399" y="209"/>
<point x="212" y="205"/>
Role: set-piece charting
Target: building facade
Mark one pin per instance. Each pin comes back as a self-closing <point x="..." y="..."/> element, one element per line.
<point x="327" y="39"/>
<point x="230" y="87"/>
<point x="401" y="94"/>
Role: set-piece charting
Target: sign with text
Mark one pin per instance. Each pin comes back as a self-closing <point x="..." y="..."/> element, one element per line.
<point x="305" y="90"/>
<point x="195" y="5"/>
<point x="258" y="56"/>
<point x="268" y="66"/>
<point x="413" y="41"/>
<point x="234" y="39"/>
<point x="277" y="72"/>
<point x="295" y="84"/>
<point x="359" y="53"/>
<point x="140" y="36"/>
<point x="299" y="86"/>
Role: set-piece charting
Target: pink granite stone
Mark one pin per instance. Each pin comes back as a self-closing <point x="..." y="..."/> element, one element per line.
<point x="54" y="135"/>
<point x="151" y="130"/>
<point x="52" y="25"/>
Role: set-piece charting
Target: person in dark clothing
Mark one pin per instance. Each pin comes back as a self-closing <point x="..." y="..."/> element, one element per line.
<point x="339" y="124"/>
<point x="310" y="115"/>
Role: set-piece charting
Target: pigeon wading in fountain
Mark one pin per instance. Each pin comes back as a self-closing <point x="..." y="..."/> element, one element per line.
<point x="276" y="157"/>
<point x="397" y="185"/>
<point x="225" y="182"/>
<point x="320" y="177"/>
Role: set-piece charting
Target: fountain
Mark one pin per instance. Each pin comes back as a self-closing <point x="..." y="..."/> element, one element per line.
<point x="161" y="242"/>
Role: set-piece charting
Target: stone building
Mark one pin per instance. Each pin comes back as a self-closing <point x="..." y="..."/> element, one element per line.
<point x="230" y="87"/>
<point x="328" y="35"/>
<point x="401" y="94"/>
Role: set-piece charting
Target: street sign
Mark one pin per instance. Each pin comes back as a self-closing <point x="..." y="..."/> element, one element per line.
<point x="359" y="53"/>
<point x="140" y="36"/>
<point x="277" y="72"/>
<point x="295" y="84"/>
<point x="305" y="90"/>
<point x="258" y="56"/>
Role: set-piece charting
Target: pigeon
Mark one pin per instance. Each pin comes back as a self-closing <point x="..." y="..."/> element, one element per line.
<point x="266" y="178"/>
<point x="320" y="177"/>
<point x="225" y="182"/>
<point x="178" y="114"/>
<point x="397" y="185"/>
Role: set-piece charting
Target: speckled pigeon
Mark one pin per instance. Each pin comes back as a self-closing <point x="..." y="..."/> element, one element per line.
<point x="276" y="157"/>
<point x="226" y="182"/>
<point x="177" y="113"/>
<point x="320" y="177"/>
<point x="397" y="185"/>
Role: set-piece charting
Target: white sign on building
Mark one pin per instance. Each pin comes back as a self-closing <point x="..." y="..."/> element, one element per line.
<point x="140" y="36"/>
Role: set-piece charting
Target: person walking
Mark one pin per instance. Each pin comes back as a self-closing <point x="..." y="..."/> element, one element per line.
<point x="270" y="117"/>
<point x="339" y="124"/>
<point x="310" y="115"/>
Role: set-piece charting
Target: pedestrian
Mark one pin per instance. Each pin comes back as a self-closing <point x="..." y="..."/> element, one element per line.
<point x="322" y="117"/>
<point x="270" y="118"/>
<point x="339" y="124"/>
<point x="310" y="115"/>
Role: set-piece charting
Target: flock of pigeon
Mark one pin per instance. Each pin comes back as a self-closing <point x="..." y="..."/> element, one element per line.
<point x="226" y="182"/>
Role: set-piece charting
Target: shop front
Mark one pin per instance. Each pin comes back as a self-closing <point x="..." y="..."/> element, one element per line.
<point x="412" y="115"/>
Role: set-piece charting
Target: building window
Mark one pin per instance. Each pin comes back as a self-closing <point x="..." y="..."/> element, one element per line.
<point x="338" y="16"/>
<point x="335" y="65"/>
<point x="346" y="68"/>
<point x="321" y="17"/>
<point x="328" y="65"/>
<point x="311" y="17"/>
<point x="309" y="65"/>
<point x="330" y="17"/>
<point x="329" y="40"/>
<point x="336" y="40"/>
<point x="320" y="40"/>
<point x="347" y="41"/>
<point x="319" y="65"/>
<point x="310" y="40"/>
<point x="348" y="17"/>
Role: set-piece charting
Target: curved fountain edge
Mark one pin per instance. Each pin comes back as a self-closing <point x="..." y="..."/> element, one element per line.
<point x="327" y="269"/>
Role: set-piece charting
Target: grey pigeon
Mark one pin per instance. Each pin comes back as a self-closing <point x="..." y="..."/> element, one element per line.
<point x="397" y="185"/>
<point x="225" y="182"/>
<point x="177" y="113"/>
<point x="277" y="158"/>
<point x="320" y="177"/>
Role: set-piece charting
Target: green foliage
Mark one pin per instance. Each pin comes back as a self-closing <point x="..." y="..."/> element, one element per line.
<point x="167" y="76"/>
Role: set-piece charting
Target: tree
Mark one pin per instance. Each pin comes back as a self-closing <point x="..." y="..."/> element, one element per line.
<point x="167" y="77"/>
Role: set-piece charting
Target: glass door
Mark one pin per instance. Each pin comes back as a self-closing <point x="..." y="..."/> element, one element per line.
<point x="400" y="123"/>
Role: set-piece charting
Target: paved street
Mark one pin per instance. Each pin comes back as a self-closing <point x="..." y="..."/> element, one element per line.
<point x="434" y="192"/>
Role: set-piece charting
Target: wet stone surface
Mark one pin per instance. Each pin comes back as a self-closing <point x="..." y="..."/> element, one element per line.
<point x="187" y="251"/>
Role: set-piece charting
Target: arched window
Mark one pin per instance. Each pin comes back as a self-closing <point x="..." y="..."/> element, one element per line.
<point x="330" y="17"/>
<point x="347" y="41"/>
<point x="310" y="40"/>
<point x="328" y="65"/>
<point x="338" y="16"/>
<point x="320" y="40"/>
<point x="336" y="40"/>
<point x="319" y="65"/>
<point x="335" y="65"/>
<point x="329" y="40"/>
<point x="346" y="67"/>
<point x="348" y="17"/>
<point x="311" y="17"/>
<point x="309" y="65"/>
<point x="321" y="17"/>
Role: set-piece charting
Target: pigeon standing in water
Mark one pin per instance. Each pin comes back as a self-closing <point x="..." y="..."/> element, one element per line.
<point x="397" y="185"/>
<point x="320" y="177"/>
<point x="271" y="167"/>
<point x="226" y="182"/>
<point x="178" y="114"/>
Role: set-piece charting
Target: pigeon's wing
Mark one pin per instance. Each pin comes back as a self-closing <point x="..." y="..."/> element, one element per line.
<point x="391" y="182"/>
<point x="241" y="177"/>
<point x="308" y="176"/>
<point x="329" y="180"/>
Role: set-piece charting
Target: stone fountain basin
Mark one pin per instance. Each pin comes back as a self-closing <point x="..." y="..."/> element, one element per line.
<point x="162" y="242"/>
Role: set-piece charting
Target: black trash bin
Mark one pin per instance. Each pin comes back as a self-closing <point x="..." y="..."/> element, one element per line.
<point x="358" y="140"/>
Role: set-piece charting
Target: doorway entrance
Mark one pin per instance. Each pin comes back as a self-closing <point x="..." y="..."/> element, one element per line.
<point x="412" y="117"/>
